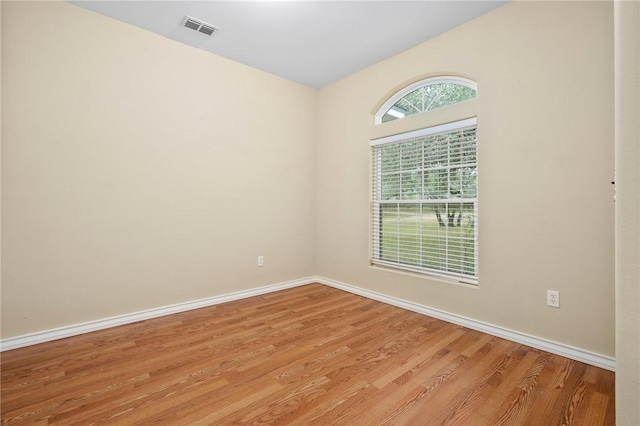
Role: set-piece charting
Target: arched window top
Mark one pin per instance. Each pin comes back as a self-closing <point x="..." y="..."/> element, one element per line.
<point x="426" y="95"/>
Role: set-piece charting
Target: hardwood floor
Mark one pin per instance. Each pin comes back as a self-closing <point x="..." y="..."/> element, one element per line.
<point x="311" y="355"/>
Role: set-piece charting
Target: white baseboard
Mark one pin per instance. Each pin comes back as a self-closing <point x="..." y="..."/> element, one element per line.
<point x="87" y="327"/>
<point x="591" y="358"/>
<point x="567" y="351"/>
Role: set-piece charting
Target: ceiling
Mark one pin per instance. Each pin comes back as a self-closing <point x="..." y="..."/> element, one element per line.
<point x="310" y="42"/>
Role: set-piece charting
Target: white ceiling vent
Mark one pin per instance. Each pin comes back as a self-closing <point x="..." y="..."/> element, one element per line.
<point x="198" y="25"/>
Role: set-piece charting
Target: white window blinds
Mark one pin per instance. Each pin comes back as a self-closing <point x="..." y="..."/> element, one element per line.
<point x="425" y="202"/>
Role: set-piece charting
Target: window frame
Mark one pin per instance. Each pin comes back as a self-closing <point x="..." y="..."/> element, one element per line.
<point x="422" y="83"/>
<point x="377" y="203"/>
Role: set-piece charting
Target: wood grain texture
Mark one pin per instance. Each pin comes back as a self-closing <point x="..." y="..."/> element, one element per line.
<point x="311" y="355"/>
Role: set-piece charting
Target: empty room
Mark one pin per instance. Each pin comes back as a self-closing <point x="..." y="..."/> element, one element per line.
<point x="320" y="212"/>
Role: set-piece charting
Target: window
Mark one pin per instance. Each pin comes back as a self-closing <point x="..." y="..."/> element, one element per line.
<point x="425" y="202"/>
<point x="425" y="196"/>
<point x="426" y="95"/>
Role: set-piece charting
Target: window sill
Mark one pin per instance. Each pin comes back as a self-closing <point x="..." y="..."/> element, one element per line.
<point x="465" y="282"/>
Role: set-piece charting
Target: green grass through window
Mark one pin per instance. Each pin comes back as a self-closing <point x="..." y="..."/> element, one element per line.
<point x="417" y="238"/>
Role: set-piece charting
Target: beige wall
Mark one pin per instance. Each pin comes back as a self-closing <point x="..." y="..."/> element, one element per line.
<point x="546" y="158"/>
<point x="138" y="172"/>
<point x="627" y="36"/>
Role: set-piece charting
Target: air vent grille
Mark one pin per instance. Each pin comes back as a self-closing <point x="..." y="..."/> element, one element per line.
<point x="207" y="29"/>
<point x="197" y="25"/>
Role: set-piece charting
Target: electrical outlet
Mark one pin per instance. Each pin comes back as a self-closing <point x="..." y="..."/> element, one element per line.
<point x="553" y="298"/>
<point x="260" y="260"/>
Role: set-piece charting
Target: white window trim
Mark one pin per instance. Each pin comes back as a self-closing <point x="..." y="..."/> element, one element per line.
<point x="425" y="82"/>
<point x="429" y="131"/>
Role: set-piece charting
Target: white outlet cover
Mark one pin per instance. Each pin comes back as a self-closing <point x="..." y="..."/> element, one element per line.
<point x="553" y="298"/>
